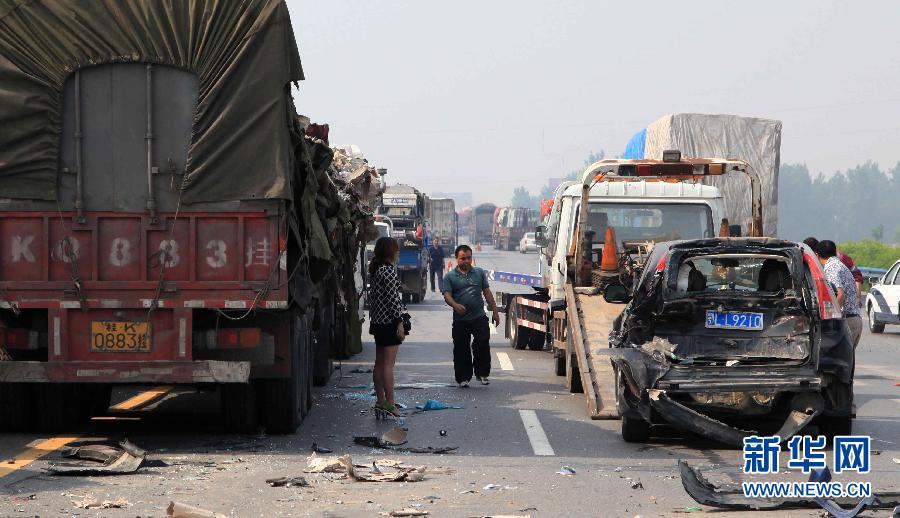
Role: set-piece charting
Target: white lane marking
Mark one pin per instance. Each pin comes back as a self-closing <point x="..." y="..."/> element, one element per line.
<point x="505" y="362"/>
<point x="536" y="436"/>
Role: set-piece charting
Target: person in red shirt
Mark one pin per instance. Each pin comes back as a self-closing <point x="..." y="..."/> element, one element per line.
<point x="844" y="258"/>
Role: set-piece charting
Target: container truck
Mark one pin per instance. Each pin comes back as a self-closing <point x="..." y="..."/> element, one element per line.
<point x="442" y="221"/>
<point x="512" y="223"/>
<point x="481" y="224"/>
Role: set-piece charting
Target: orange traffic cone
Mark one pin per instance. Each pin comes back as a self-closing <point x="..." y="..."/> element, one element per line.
<point x="724" y="231"/>
<point x="610" y="260"/>
<point x="478" y="247"/>
<point x="449" y="264"/>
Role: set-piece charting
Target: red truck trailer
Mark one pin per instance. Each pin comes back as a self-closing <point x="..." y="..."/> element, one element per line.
<point x="163" y="218"/>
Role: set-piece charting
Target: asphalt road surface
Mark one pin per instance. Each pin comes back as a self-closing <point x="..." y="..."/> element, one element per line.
<point x="513" y="438"/>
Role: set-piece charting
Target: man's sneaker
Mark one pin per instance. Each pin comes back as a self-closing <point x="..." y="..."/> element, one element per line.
<point x="484" y="380"/>
<point x="463" y="384"/>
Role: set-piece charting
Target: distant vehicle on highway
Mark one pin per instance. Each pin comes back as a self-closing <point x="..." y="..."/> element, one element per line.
<point x="527" y="243"/>
<point x="883" y="300"/>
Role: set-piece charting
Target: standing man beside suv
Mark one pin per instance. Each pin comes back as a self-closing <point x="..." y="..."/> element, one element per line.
<point x="840" y="277"/>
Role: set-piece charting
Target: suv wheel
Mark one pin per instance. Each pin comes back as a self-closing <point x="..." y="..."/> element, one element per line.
<point x="874" y="326"/>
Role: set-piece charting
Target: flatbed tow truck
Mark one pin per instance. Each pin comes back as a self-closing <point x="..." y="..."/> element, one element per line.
<point x="633" y="203"/>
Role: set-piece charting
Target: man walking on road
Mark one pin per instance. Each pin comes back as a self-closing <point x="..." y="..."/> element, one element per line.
<point x="840" y="277"/>
<point x="465" y="290"/>
<point x="436" y="263"/>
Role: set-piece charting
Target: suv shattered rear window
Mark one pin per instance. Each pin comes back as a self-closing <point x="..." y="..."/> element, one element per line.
<point x="749" y="273"/>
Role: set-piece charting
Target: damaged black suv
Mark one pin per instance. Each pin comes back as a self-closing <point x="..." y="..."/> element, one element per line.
<point x="732" y="337"/>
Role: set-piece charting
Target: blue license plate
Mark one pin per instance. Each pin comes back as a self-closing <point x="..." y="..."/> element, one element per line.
<point x="734" y="320"/>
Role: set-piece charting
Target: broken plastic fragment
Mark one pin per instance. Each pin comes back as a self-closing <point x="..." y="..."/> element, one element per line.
<point x="433" y="404"/>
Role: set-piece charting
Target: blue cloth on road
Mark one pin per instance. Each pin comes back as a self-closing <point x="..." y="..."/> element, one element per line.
<point x="433" y="404"/>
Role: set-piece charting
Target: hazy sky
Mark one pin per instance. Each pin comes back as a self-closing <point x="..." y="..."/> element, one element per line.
<point x="487" y="95"/>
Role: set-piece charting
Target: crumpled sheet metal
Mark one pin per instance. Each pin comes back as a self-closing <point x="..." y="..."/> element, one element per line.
<point x="690" y="420"/>
<point x="731" y="496"/>
<point x="101" y="460"/>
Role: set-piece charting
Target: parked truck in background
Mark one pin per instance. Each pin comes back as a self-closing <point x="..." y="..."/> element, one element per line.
<point x="601" y="232"/>
<point x="405" y="206"/>
<point x="511" y="224"/>
<point x="165" y="221"/>
<point x="442" y="219"/>
<point x="481" y="224"/>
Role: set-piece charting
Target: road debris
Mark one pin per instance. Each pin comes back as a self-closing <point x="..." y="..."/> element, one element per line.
<point x="637" y="485"/>
<point x="896" y="460"/>
<point x="433" y="404"/>
<point x="443" y="433"/>
<point x="361" y="371"/>
<point x="316" y="464"/>
<point x="287" y="482"/>
<point x="409" y="511"/>
<point x="320" y="449"/>
<point x="179" y="510"/>
<point x="731" y="496"/>
<point x="566" y="470"/>
<point x="89" y="502"/>
<point x="394" y="437"/>
<point x="99" y="459"/>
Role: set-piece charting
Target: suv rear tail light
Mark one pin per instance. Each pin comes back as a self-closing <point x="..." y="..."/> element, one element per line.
<point x="828" y="306"/>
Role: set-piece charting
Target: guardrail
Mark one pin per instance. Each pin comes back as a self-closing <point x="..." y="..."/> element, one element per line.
<point x="872" y="274"/>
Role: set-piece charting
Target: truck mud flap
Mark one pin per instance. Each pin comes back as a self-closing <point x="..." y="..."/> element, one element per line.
<point x="806" y="408"/>
<point x="731" y="496"/>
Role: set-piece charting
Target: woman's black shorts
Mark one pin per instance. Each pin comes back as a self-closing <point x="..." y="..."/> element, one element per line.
<point x="385" y="334"/>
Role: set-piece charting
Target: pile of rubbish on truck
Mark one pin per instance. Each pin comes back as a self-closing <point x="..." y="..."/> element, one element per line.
<point x="338" y="192"/>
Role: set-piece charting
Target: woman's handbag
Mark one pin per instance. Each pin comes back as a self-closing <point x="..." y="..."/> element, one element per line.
<point x="407" y="323"/>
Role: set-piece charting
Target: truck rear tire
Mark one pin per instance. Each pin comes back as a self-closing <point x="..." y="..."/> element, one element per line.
<point x="285" y="397"/>
<point x="517" y="336"/>
<point x="635" y="430"/>
<point x="239" y="407"/>
<point x="559" y="363"/>
<point x="573" y="375"/>
<point x="60" y="407"/>
<point x="16" y="407"/>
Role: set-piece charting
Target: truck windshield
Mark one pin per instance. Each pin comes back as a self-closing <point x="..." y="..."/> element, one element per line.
<point x="651" y="221"/>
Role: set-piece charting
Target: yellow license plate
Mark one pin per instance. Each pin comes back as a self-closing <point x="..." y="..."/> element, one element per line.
<point x="120" y="337"/>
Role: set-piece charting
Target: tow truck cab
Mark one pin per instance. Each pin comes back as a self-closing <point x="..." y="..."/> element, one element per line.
<point x="640" y="210"/>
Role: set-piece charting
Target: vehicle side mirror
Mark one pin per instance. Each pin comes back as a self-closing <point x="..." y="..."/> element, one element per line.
<point x="540" y="236"/>
<point x="615" y="293"/>
<point x="734" y="230"/>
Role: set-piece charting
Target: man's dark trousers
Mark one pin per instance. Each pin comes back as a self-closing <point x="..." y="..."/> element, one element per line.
<point x="439" y="271"/>
<point x="471" y="341"/>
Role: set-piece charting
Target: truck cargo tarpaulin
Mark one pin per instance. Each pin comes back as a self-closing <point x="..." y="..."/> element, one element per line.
<point x="756" y="141"/>
<point x="243" y="54"/>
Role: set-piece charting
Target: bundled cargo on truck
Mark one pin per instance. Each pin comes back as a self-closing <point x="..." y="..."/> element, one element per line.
<point x="164" y="217"/>
<point x="755" y="140"/>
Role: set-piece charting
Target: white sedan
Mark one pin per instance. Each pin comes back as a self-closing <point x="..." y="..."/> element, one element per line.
<point x="883" y="300"/>
<point x="528" y="244"/>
